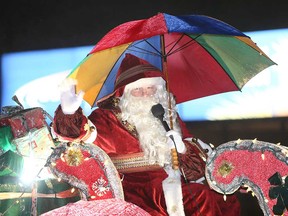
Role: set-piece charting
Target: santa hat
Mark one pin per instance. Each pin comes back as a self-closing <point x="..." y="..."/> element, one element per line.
<point x="135" y="72"/>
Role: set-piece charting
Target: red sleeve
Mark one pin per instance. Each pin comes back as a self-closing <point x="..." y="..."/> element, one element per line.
<point x="71" y="126"/>
<point x="184" y="129"/>
<point x="192" y="161"/>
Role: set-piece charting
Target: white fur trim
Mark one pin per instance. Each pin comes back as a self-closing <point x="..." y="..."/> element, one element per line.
<point x="93" y="135"/>
<point x="145" y="82"/>
<point x="173" y="195"/>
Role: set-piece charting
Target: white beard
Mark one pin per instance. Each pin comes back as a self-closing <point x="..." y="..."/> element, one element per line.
<point x="151" y="133"/>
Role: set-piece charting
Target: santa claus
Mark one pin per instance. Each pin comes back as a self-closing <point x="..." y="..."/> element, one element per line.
<point x="140" y="143"/>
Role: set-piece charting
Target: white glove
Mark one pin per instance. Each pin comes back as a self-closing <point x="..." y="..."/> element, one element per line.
<point x="180" y="146"/>
<point x="70" y="101"/>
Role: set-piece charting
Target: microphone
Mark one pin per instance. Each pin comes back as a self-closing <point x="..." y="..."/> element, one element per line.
<point x="158" y="112"/>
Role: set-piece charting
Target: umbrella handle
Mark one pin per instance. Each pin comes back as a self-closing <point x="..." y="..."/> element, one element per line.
<point x="175" y="161"/>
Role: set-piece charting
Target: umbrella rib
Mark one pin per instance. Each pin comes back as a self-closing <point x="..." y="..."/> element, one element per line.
<point x="182" y="35"/>
<point x="157" y="51"/>
<point x="143" y="50"/>
<point x="170" y="52"/>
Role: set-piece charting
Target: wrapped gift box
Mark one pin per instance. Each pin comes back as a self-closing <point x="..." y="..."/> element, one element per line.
<point x="11" y="164"/>
<point x="35" y="147"/>
<point x="23" y="121"/>
<point x="37" y="142"/>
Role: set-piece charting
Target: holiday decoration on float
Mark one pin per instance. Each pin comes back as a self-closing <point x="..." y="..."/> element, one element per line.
<point x="258" y="166"/>
<point x="88" y="168"/>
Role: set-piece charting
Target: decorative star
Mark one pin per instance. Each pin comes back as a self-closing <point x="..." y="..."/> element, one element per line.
<point x="74" y="156"/>
<point x="225" y="168"/>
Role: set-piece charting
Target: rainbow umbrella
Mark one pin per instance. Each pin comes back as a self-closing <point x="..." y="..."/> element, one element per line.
<point x="199" y="55"/>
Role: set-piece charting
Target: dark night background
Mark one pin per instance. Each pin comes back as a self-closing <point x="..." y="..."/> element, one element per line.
<point x="46" y="24"/>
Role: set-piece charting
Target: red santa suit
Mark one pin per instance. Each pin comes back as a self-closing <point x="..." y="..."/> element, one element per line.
<point x="142" y="182"/>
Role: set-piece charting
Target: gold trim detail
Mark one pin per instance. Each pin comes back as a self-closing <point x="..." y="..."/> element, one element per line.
<point x="133" y="163"/>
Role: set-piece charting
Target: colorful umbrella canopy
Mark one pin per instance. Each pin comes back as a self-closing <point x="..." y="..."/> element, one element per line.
<point x="199" y="55"/>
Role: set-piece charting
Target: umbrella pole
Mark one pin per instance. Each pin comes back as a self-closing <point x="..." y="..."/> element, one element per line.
<point x="174" y="153"/>
<point x="165" y="71"/>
